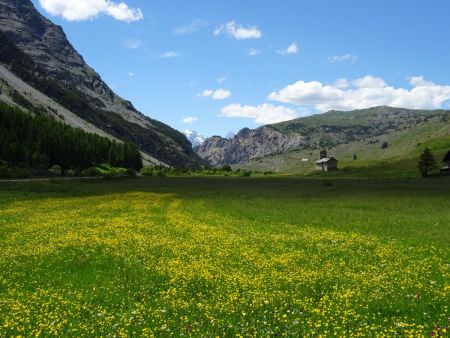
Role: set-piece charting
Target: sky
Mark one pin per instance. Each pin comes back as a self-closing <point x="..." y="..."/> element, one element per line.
<point x="219" y="66"/>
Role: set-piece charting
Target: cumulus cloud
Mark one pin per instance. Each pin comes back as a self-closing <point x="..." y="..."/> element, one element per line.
<point x="189" y="120"/>
<point x="238" y="31"/>
<point x="419" y="81"/>
<point x="253" y="52"/>
<point x="169" y="55"/>
<point x="343" y="58"/>
<point x="365" y="92"/>
<point x="192" y="27"/>
<point x="219" y="94"/>
<point x="291" y="49"/>
<point x="262" y="114"/>
<point x="78" y="10"/>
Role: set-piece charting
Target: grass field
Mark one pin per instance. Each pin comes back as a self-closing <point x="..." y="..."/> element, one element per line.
<point x="225" y="257"/>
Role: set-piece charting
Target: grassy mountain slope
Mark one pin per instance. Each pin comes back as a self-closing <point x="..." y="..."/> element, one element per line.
<point x="398" y="159"/>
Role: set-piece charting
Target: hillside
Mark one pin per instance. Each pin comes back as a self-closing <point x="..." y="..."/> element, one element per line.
<point x="40" y="70"/>
<point x="282" y="147"/>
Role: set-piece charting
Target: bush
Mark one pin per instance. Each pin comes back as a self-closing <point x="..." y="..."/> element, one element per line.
<point x="160" y="173"/>
<point x="90" y="172"/>
<point x="131" y="172"/>
<point x="41" y="170"/>
<point x="384" y="145"/>
<point x="55" y="170"/>
<point x="20" y="173"/>
<point x="245" y="173"/>
<point x="70" y="173"/>
<point x="226" y="168"/>
<point x="119" y="172"/>
<point x="4" y="172"/>
<point x="147" y="171"/>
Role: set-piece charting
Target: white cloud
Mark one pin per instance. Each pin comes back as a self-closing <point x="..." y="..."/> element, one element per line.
<point x="262" y="114"/>
<point x="169" y="55"/>
<point x="132" y="43"/>
<point x="78" y="10"/>
<point x="131" y="74"/>
<point x="192" y="27"/>
<point x="219" y="94"/>
<point x="291" y="49"/>
<point x="253" y="52"/>
<point x="238" y="32"/>
<point x="365" y="92"/>
<point x="341" y="83"/>
<point x="189" y="120"/>
<point x="419" y="81"/>
<point x="370" y="81"/>
<point x="222" y="79"/>
<point x="343" y="58"/>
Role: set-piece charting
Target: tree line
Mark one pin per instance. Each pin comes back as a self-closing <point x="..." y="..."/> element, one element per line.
<point x="31" y="141"/>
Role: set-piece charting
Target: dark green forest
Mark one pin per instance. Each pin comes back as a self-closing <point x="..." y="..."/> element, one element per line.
<point x="31" y="141"/>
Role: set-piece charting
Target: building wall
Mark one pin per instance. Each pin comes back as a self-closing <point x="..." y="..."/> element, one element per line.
<point x="331" y="165"/>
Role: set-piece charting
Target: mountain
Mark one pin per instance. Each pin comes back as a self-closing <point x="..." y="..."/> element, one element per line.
<point x="42" y="72"/>
<point x="194" y="137"/>
<point x="271" y="146"/>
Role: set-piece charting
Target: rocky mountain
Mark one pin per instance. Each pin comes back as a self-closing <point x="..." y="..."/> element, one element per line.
<point x="41" y="71"/>
<point x="194" y="137"/>
<point x="312" y="133"/>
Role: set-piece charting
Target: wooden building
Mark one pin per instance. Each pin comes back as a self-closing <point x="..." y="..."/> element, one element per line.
<point x="326" y="163"/>
<point x="446" y="167"/>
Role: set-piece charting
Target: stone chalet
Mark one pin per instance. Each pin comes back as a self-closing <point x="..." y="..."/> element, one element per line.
<point x="326" y="163"/>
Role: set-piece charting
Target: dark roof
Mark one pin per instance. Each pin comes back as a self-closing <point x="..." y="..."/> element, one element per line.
<point x="447" y="157"/>
<point x="325" y="160"/>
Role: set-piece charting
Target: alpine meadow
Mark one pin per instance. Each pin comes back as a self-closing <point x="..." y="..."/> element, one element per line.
<point x="282" y="171"/>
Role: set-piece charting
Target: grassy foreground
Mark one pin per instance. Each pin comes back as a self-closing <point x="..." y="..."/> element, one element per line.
<point x="225" y="257"/>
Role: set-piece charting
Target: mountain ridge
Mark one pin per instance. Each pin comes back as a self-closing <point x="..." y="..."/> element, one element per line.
<point x="312" y="133"/>
<point x="38" y="52"/>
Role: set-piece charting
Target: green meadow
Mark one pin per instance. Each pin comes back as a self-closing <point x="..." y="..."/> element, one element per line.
<point x="226" y="257"/>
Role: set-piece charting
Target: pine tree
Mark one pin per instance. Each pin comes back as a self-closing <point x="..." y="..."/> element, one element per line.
<point x="426" y="162"/>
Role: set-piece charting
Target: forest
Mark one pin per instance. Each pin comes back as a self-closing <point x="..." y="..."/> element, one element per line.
<point x="32" y="141"/>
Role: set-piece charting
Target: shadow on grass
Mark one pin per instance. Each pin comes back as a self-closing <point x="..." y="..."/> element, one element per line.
<point x="320" y="186"/>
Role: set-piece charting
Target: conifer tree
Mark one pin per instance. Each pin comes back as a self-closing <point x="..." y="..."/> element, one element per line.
<point x="426" y="162"/>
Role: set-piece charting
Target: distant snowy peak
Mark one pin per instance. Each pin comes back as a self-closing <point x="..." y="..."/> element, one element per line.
<point x="230" y="135"/>
<point x="195" y="138"/>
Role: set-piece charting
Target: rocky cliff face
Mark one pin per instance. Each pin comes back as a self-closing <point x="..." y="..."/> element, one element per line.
<point x="49" y="48"/>
<point x="246" y="145"/>
<point x="56" y="59"/>
<point x="315" y="132"/>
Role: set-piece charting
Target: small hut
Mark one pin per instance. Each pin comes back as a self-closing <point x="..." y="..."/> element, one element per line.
<point x="446" y="167"/>
<point x="326" y="163"/>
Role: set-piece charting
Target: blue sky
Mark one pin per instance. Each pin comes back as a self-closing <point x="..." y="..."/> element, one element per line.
<point x="219" y="66"/>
